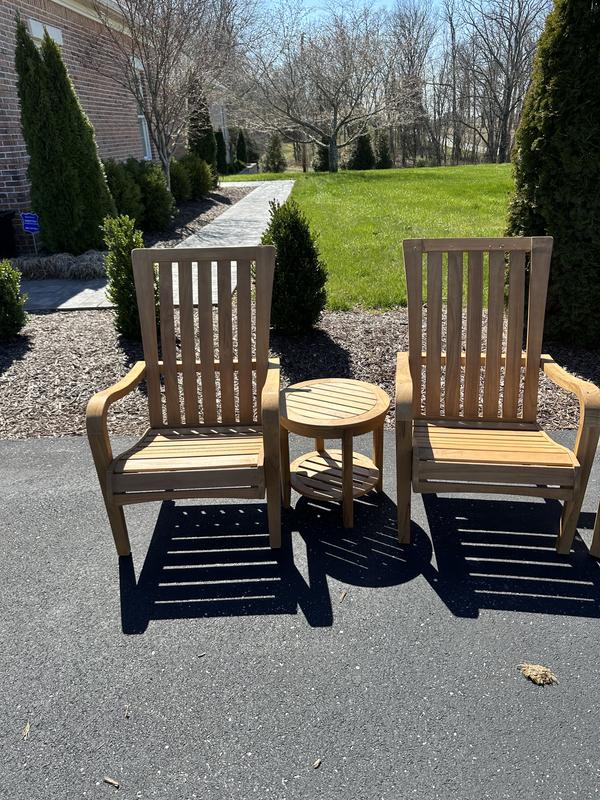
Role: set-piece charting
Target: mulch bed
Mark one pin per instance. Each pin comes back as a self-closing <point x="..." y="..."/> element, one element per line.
<point x="192" y="216"/>
<point x="48" y="374"/>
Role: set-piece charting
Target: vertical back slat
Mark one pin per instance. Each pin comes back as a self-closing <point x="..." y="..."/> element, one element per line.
<point x="225" y="342"/>
<point x="433" y="368"/>
<point x="453" y="335"/>
<point x="143" y="269"/>
<point x="473" y="349"/>
<point x="265" y="266"/>
<point x="188" y="343"/>
<point x="541" y="250"/>
<point x="495" y="329"/>
<point x="514" y="335"/>
<point x="167" y="339"/>
<point x="206" y="338"/>
<point x="244" y="341"/>
<point x="413" y="264"/>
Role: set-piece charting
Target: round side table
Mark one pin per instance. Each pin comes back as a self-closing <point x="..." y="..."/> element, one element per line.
<point x="332" y="408"/>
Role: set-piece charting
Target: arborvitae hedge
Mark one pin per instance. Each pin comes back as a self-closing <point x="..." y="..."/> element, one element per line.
<point x="181" y="186"/>
<point x="200" y="174"/>
<point x="125" y="191"/>
<point x="222" y="165"/>
<point x="159" y="206"/>
<point x="361" y="156"/>
<point x="241" y="153"/>
<point x="201" y="137"/>
<point x="557" y="167"/>
<point x="383" y="156"/>
<point x="299" y="294"/>
<point x="68" y="185"/>
<point x="273" y="159"/>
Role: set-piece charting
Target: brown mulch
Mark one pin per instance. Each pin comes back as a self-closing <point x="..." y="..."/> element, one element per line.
<point x="195" y="214"/>
<point x="62" y="358"/>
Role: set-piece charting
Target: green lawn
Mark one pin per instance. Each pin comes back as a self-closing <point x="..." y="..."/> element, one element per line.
<point x="361" y="219"/>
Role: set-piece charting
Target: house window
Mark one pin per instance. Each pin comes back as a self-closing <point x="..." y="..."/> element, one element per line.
<point x="142" y="121"/>
<point x="37" y="29"/>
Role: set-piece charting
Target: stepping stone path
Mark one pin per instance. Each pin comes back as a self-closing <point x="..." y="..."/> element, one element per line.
<point x="242" y="224"/>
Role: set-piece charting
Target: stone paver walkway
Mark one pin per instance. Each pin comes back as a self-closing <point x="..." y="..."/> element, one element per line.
<point x="242" y="224"/>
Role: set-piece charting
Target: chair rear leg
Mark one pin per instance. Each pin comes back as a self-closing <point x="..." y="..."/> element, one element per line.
<point x="274" y="510"/>
<point x="116" y="517"/>
<point x="595" y="548"/>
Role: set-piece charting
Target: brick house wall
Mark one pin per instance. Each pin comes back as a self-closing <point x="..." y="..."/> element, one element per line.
<point x="90" y="58"/>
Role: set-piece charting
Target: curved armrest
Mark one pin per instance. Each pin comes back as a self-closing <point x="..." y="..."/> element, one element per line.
<point x="269" y="399"/>
<point x="404" y="389"/>
<point x="270" y="417"/>
<point x="97" y="411"/>
<point x="587" y="393"/>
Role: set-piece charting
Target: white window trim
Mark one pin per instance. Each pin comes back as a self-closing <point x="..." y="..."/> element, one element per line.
<point x="37" y="28"/>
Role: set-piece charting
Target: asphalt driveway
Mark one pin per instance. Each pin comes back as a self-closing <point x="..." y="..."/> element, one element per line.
<point x="205" y="668"/>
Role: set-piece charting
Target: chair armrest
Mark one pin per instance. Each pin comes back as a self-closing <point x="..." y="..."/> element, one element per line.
<point x="587" y="393"/>
<point x="269" y="399"/>
<point x="97" y="411"/>
<point x="404" y="389"/>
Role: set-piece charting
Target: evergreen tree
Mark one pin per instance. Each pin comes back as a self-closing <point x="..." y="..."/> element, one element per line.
<point x="299" y="294"/>
<point x="240" y="148"/>
<point x="222" y="165"/>
<point x="383" y="157"/>
<point x="273" y="160"/>
<point x="68" y="185"/>
<point x="320" y="162"/>
<point x="121" y="237"/>
<point x="361" y="156"/>
<point x="201" y="137"/>
<point x="557" y="167"/>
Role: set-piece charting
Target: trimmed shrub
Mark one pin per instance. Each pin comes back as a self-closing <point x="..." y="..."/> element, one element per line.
<point x="273" y="160"/>
<point x="557" y="167"/>
<point x="361" y="156"/>
<point x="200" y="175"/>
<point x="383" y="156"/>
<point x="12" y="302"/>
<point x="121" y="237"/>
<point x="299" y="294"/>
<point x="320" y="162"/>
<point x="159" y="207"/>
<point x="222" y="165"/>
<point x="240" y="149"/>
<point x="181" y="187"/>
<point x="68" y="185"/>
<point x="125" y="191"/>
<point x="201" y="137"/>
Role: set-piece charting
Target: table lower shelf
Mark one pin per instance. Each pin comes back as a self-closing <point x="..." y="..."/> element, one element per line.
<point x="319" y="475"/>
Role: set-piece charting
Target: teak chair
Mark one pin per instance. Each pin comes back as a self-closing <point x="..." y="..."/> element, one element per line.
<point x="462" y="439"/>
<point x="201" y="442"/>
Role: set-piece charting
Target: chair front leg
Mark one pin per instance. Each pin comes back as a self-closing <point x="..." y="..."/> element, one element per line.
<point x="585" y="450"/>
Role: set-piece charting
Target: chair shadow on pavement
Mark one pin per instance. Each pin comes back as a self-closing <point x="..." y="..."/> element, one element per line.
<point x="500" y="554"/>
<point x="214" y="561"/>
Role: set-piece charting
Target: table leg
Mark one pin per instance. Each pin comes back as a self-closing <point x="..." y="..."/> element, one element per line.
<point x="378" y="455"/>
<point x="319" y="444"/>
<point x="347" y="464"/>
<point x="284" y="450"/>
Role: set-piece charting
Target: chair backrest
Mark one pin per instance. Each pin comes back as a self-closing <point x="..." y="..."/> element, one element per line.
<point x="509" y="377"/>
<point x="200" y="388"/>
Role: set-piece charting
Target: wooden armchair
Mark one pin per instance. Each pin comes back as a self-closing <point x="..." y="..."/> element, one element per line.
<point x="476" y="430"/>
<point x="214" y="422"/>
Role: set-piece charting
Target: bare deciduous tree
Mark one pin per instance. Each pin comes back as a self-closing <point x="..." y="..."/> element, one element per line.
<point x="316" y="81"/>
<point x="169" y="51"/>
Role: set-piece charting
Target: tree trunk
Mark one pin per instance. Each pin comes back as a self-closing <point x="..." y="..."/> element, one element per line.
<point x="333" y="155"/>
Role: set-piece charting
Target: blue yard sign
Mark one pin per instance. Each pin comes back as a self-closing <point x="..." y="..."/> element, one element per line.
<point x="31" y="224"/>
